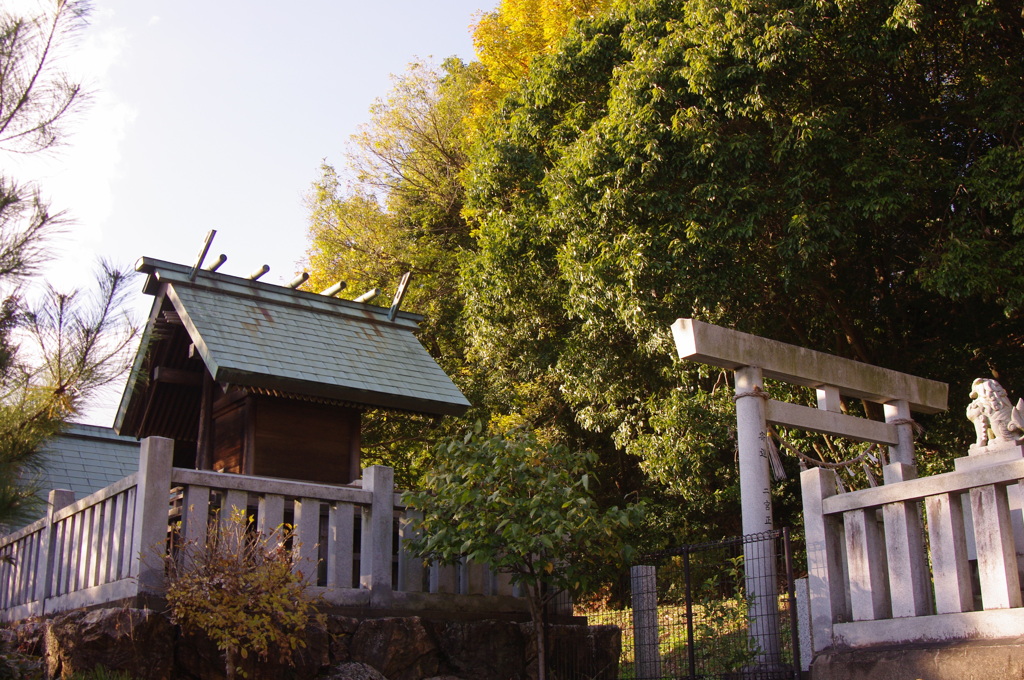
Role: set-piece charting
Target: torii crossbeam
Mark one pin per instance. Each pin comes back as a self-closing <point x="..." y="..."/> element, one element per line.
<point x="753" y="359"/>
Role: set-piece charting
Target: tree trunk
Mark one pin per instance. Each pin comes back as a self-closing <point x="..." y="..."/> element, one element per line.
<point x="230" y="658"/>
<point x="536" y="601"/>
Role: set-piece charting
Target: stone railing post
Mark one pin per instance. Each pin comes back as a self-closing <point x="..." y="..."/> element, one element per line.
<point x="827" y="597"/>
<point x="644" y="586"/>
<point x="909" y="584"/>
<point x="307" y="539"/>
<point x="503" y="584"/>
<point x="948" y="539"/>
<point x="59" y="498"/>
<point x="340" y="537"/>
<point x="993" y="538"/>
<point x="474" y="578"/>
<point x="444" y="578"/>
<point x="410" y="567"/>
<point x="149" y="544"/>
<point x="867" y="565"/>
<point x="375" y="550"/>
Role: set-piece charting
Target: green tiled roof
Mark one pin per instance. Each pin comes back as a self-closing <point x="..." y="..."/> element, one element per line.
<point x="87" y="458"/>
<point x="264" y="336"/>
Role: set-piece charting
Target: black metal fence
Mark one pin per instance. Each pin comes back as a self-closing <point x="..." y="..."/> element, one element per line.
<point x="724" y="610"/>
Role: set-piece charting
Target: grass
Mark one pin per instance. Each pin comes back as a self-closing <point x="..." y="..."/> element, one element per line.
<point x="101" y="673"/>
<point x="721" y="641"/>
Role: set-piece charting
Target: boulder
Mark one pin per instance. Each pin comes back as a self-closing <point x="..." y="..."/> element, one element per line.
<point x="352" y="671"/>
<point x="138" y="642"/>
<point x="16" y="664"/>
<point x="144" y="645"/>
<point x="400" y="648"/>
<point x="27" y="637"/>
<point x="576" y="651"/>
<point x="197" y="657"/>
<point x="482" y="650"/>
<point x="585" y="652"/>
<point x="340" y="630"/>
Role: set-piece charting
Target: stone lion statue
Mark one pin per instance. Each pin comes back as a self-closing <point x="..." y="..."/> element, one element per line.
<point x="994" y="417"/>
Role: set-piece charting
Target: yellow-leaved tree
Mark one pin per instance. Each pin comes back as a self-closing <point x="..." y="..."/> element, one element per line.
<point x="395" y="206"/>
<point x="507" y="40"/>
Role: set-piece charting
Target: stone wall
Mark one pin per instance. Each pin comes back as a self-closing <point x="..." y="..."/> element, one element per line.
<point x="145" y="645"/>
<point x="965" y="660"/>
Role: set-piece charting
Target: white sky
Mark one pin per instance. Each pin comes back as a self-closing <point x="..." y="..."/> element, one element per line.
<point x="217" y="115"/>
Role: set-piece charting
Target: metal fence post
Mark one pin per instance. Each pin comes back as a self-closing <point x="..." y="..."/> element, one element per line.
<point x="691" y="652"/>
<point x="643" y="582"/>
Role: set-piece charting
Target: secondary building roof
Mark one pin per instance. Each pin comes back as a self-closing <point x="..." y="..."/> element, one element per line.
<point x="276" y="340"/>
<point x="87" y="458"/>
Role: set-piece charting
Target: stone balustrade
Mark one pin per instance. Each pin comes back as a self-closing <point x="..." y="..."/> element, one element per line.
<point x="110" y="546"/>
<point x="876" y="577"/>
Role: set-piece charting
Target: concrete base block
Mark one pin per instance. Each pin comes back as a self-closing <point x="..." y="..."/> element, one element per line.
<point x="974" y="660"/>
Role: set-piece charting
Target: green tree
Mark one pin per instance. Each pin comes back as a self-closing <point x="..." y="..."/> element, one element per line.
<point x="841" y="176"/>
<point x="401" y="211"/>
<point x="78" y="343"/>
<point x="56" y="348"/>
<point x="35" y="94"/>
<point x="524" y="508"/>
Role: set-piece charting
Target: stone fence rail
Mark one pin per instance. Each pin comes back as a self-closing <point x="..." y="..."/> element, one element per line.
<point x="875" y="577"/>
<point x="110" y="546"/>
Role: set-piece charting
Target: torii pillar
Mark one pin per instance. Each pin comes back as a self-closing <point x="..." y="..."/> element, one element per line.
<point x="753" y="359"/>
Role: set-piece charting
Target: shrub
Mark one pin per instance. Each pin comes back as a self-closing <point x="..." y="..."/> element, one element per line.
<point x="239" y="587"/>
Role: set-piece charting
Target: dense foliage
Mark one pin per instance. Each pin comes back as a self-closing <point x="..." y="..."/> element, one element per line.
<point x="509" y="38"/>
<point x="396" y="206"/>
<point x="844" y="177"/>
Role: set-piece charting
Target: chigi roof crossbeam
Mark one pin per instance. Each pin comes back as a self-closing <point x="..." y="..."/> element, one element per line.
<point x="258" y="335"/>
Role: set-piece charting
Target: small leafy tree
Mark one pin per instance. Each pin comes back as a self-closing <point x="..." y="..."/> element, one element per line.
<point x="240" y="589"/>
<point x="523" y="508"/>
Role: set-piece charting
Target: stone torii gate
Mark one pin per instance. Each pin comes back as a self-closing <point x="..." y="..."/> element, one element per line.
<point x="752" y="359"/>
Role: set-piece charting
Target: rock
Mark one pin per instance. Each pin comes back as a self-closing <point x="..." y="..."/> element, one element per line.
<point x="401" y="648"/>
<point x="144" y="645"/>
<point x="29" y="637"/>
<point x="138" y="642"/>
<point x="315" y="655"/>
<point x="352" y="671"/>
<point x="482" y="650"/>
<point x="14" y="663"/>
<point x="340" y="630"/>
<point x="196" y="656"/>
<point x="576" y="651"/>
